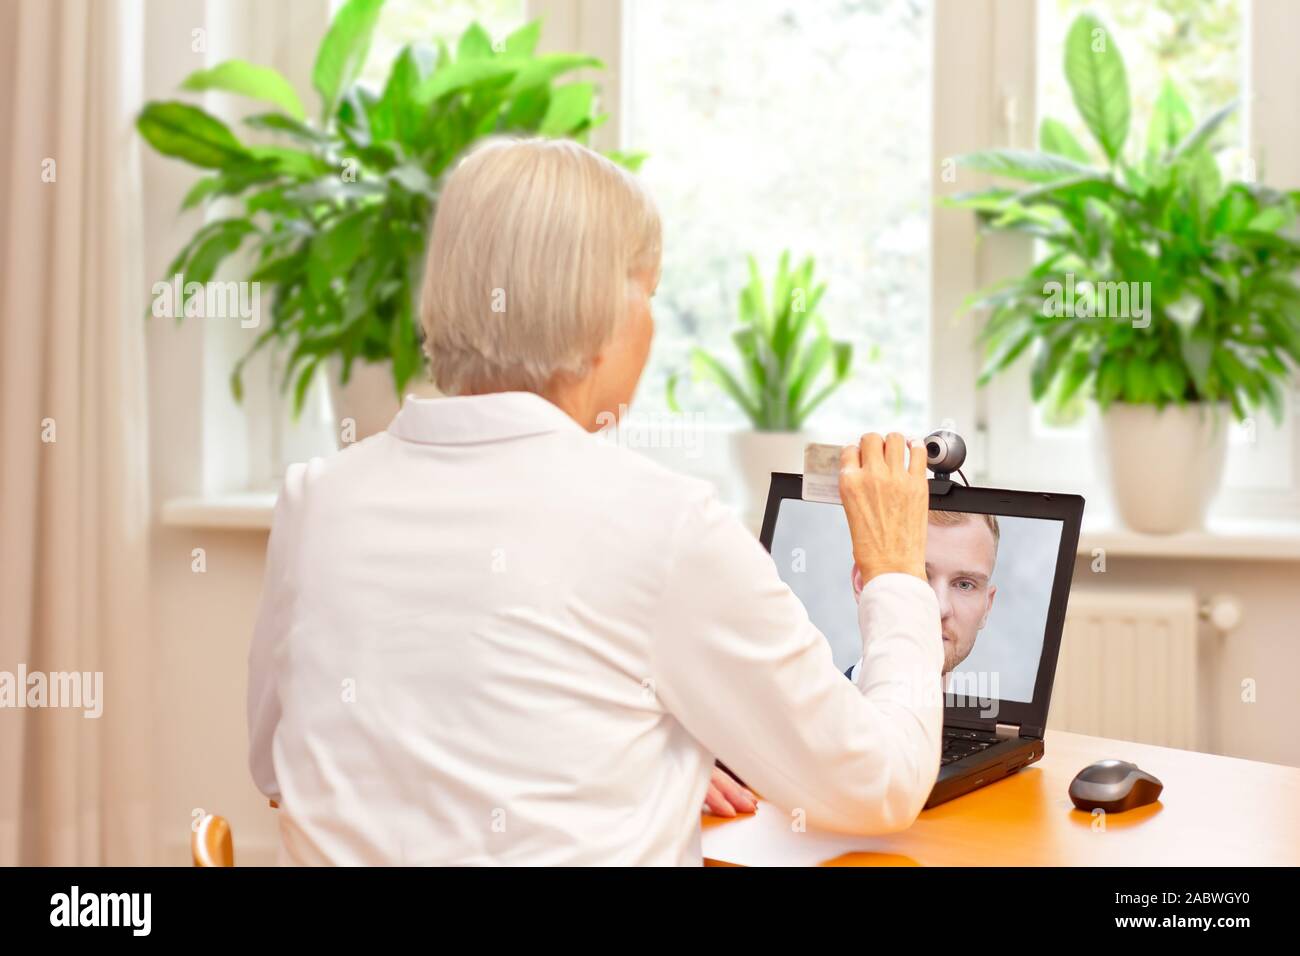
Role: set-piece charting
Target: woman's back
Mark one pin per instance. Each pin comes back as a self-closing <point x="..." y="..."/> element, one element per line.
<point x="465" y="672"/>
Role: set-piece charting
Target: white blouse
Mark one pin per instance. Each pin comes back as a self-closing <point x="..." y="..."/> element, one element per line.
<point x="488" y="636"/>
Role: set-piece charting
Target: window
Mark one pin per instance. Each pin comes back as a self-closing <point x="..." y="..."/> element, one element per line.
<point x="427" y="21"/>
<point x="822" y="128"/>
<point x="773" y="125"/>
<point x="1205" y="46"/>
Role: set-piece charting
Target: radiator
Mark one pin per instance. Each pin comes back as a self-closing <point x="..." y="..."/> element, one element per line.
<point x="1128" y="667"/>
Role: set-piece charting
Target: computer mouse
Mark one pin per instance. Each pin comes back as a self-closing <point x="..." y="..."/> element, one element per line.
<point x="1114" y="786"/>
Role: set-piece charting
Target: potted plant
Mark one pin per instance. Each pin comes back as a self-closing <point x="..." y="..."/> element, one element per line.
<point x="336" y="215"/>
<point x="1164" y="293"/>
<point x="789" y="364"/>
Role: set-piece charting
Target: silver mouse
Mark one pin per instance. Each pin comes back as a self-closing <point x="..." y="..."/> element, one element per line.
<point x="1114" y="786"/>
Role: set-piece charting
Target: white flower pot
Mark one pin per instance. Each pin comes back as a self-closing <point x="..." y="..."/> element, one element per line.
<point x="369" y="399"/>
<point x="1165" y="465"/>
<point x="755" y="455"/>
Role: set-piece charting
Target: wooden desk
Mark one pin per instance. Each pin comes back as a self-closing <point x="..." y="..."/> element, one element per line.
<point x="1214" y="811"/>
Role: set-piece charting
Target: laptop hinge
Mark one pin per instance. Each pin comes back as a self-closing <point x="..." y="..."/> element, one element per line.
<point x="1007" y="731"/>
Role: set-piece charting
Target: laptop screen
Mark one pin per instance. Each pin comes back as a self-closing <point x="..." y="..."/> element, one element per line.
<point x="992" y="576"/>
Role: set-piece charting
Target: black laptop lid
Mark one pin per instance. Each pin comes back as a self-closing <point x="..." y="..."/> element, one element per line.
<point x="1001" y="564"/>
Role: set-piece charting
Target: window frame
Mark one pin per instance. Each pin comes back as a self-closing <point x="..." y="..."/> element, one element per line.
<point x="984" y="95"/>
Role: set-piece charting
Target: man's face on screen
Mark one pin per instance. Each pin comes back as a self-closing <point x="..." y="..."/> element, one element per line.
<point x="959" y="562"/>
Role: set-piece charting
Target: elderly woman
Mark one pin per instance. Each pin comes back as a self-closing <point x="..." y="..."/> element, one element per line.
<point x="488" y="636"/>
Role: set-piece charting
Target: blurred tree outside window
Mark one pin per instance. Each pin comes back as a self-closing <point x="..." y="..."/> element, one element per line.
<point x="777" y="124"/>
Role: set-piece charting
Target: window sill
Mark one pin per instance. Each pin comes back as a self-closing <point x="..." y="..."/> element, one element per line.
<point x="1227" y="539"/>
<point x="1224" y="540"/>
<point x="236" y="511"/>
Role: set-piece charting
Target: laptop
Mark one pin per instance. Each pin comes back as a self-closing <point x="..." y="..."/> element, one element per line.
<point x="1001" y="563"/>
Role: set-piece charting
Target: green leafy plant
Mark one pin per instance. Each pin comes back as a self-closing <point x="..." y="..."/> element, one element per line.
<point x="1218" y="260"/>
<point x="335" y="215"/>
<point x="785" y="350"/>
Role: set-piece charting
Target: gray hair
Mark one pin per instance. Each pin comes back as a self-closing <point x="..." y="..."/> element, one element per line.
<point x="532" y="249"/>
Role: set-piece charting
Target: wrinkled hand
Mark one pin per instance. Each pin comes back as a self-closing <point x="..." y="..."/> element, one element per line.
<point x="887" y="502"/>
<point x="726" y="797"/>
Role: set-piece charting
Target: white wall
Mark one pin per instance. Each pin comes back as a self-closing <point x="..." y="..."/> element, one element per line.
<point x="1265" y="648"/>
<point x="201" y="621"/>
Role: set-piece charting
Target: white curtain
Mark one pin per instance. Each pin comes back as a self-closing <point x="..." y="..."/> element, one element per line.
<point x="73" y="463"/>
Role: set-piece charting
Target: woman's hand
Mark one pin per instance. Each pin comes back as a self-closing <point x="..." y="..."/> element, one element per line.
<point x="726" y="797"/>
<point x="887" y="501"/>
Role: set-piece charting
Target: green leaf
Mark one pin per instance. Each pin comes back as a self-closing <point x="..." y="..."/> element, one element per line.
<point x="210" y="253"/>
<point x="229" y="182"/>
<point x="843" y="361"/>
<point x="332" y="190"/>
<point x="1171" y="378"/>
<point x="200" y="191"/>
<point x="305" y="378"/>
<point x="1047" y="363"/>
<point x="190" y="134"/>
<point x="412" y="178"/>
<point x="465" y="75"/>
<point x="1204" y="131"/>
<point x="1055" y="137"/>
<point x="1272" y="219"/>
<point x="280" y="270"/>
<point x="335" y="249"/>
<point x="1205" y="181"/>
<point x="1110" y="380"/>
<point x="670" y="394"/>
<point x="292" y="162"/>
<point x="1196" y="355"/>
<point x="629" y="161"/>
<point x="1098" y="82"/>
<point x="753" y="299"/>
<point x="403" y="344"/>
<point x="246" y="79"/>
<point x="569" y="109"/>
<point x="1094" y="185"/>
<point x="523" y="42"/>
<point x="1034" y="167"/>
<point x="279" y="123"/>
<point x="806" y="369"/>
<point x="1008" y="347"/>
<point x="1236" y="211"/>
<point x="1072" y="379"/>
<point x="342" y="53"/>
<point x="704" y="367"/>
<point x="547" y="67"/>
<point x="475" y="44"/>
<point x="527" y="110"/>
<point x="747" y="344"/>
<point x="1171" y="120"/>
<point x="397" y="115"/>
<point x="1140" y="385"/>
<point x="1234" y="371"/>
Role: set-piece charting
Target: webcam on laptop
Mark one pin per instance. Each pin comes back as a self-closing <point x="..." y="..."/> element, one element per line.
<point x="945" y="453"/>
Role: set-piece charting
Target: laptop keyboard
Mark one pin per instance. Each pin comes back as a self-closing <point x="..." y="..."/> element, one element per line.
<point x="958" y="743"/>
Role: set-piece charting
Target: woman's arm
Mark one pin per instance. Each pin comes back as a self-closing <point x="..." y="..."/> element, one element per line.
<point x="268" y="633"/>
<point x="738" y="662"/>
